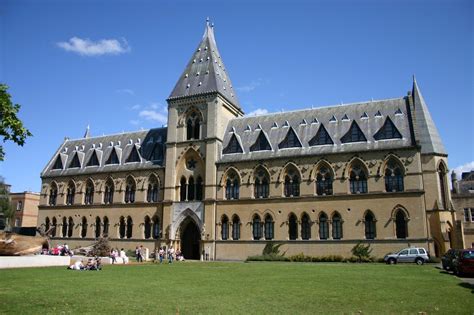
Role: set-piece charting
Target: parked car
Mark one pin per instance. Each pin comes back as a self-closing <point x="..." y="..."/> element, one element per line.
<point x="464" y="263"/>
<point x="417" y="255"/>
<point x="447" y="260"/>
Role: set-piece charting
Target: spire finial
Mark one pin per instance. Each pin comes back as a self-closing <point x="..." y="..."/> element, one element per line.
<point x="87" y="133"/>
<point x="207" y="21"/>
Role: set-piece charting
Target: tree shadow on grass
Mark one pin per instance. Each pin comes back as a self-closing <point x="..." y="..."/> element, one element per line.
<point x="467" y="286"/>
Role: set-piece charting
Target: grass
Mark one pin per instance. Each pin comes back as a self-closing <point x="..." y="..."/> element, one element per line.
<point x="255" y="288"/>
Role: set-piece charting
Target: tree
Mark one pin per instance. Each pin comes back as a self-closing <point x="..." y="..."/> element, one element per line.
<point x="11" y="127"/>
<point x="5" y="206"/>
<point x="362" y="252"/>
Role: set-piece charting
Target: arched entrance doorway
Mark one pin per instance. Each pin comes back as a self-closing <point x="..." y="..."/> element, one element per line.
<point x="190" y="239"/>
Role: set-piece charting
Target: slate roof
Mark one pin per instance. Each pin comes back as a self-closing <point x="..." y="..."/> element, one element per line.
<point x="425" y="130"/>
<point x="370" y="117"/>
<point x="205" y="72"/>
<point x="145" y="141"/>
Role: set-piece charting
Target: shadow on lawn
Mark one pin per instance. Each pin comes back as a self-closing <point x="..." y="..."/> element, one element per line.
<point x="467" y="286"/>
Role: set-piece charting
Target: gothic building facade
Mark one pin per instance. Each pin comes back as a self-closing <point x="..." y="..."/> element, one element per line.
<point x="218" y="183"/>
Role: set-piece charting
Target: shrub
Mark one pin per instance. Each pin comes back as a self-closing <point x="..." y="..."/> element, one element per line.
<point x="101" y="248"/>
<point x="271" y="252"/>
<point x="362" y="252"/>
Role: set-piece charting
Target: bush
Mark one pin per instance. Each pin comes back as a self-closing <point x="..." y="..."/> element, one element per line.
<point x="303" y="258"/>
<point x="271" y="252"/>
<point x="362" y="252"/>
<point x="101" y="248"/>
<point x="267" y="258"/>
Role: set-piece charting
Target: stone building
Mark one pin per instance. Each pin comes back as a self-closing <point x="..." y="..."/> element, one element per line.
<point x="26" y="208"/>
<point x="463" y="200"/>
<point x="217" y="183"/>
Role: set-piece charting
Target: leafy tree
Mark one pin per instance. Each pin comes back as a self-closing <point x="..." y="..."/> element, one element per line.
<point x="5" y="207"/>
<point x="11" y="127"/>
<point x="101" y="248"/>
<point x="362" y="252"/>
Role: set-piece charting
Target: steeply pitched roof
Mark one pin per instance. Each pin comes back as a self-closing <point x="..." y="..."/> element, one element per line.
<point x="364" y="114"/>
<point x="205" y="72"/>
<point x="425" y="129"/>
<point x="102" y="147"/>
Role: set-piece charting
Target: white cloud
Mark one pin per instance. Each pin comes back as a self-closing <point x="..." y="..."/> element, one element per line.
<point x="86" y="47"/>
<point x="154" y="116"/>
<point x="126" y="91"/>
<point x="257" y="112"/>
<point x="464" y="168"/>
<point x="135" y="107"/>
<point x="251" y="86"/>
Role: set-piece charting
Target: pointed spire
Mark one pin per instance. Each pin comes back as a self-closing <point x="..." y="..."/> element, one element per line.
<point x="425" y="129"/>
<point x="205" y="72"/>
<point x="87" y="133"/>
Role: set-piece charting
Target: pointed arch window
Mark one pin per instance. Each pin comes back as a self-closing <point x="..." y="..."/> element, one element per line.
<point x="393" y="177"/>
<point x="130" y="190"/>
<point x="147" y="227"/>
<point x="322" y="137"/>
<point x="401" y="224"/>
<point x="54" y="222"/>
<point x="261" y="144"/>
<point x="70" y="193"/>
<point x="324" y="181"/>
<point x="109" y="192"/>
<point x="233" y="146"/>
<point x="106" y="227"/>
<point x="53" y="194"/>
<point x="388" y="131"/>
<point x="292" y="184"/>
<point x="129" y="227"/>
<point x="323" y="226"/>
<point x="133" y="156"/>
<point x="261" y="184"/>
<point x="256" y="228"/>
<point x="232" y="187"/>
<point x="93" y="160"/>
<point x="75" y="161"/>
<point x="58" y="164"/>
<point x="89" y="195"/>
<point x="292" y="227"/>
<point x="183" y="189"/>
<point x="336" y="226"/>
<point x="113" y="158"/>
<point x="370" y="228"/>
<point x="269" y="227"/>
<point x="305" y="227"/>
<point x="191" y="189"/>
<point x="153" y="190"/>
<point x="236" y="228"/>
<point x="122" y="227"/>
<point x="84" y="227"/>
<point x="291" y="140"/>
<point x="156" y="227"/>
<point x="354" y="134"/>
<point x="70" y="227"/>
<point x="442" y="185"/>
<point x="98" y="227"/>
<point x="224" y="228"/>
<point x="358" y="180"/>
<point x="47" y="224"/>
<point x="64" y="227"/>
<point x="199" y="188"/>
<point x="193" y="126"/>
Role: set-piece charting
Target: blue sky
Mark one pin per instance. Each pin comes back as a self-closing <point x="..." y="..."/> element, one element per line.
<point x="112" y="64"/>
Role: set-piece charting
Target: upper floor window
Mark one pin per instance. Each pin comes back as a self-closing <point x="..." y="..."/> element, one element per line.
<point x="53" y="194"/>
<point x="442" y="185"/>
<point x="130" y="191"/>
<point x="354" y="134"/>
<point x="292" y="184"/>
<point x="388" y="131"/>
<point x="109" y="192"/>
<point x="358" y="180"/>
<point x="393" y="177"/>
<point x="193" y="126"/>
<point x="233" y="146"/>
<point x="322" y="137"/>
<point x="70" y="193"/>
<point x="232" y="186"/>
<point x="324" y="182"/>
<point x="261" y="184"/>
<point x="19" y="205"/>
<point x="291" y="140"/>
<point x="89" y="195"/>
<point x="261" y="144"/>
<point x="152" y="191"/>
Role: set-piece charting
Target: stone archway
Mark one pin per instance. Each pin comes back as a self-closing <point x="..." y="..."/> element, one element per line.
<point x="190" y="239"/>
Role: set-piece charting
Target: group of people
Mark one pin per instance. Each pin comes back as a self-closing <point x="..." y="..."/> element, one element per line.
<point x="91" y="264"/>
<point x="170" y="253"/>
<point x="58" y="250"/>
<point x="114" y="253"/>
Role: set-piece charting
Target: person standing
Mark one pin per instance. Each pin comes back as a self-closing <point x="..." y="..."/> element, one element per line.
<point x="161" y="253"/>
<point x="170" y="255"/>
<point x="142" y="253"/>
<point x="123" y="256"/>
<point x="137" y="253"/>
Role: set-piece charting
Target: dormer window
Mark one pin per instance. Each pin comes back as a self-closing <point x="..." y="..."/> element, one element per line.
<point x="388" y="131"/>
<point x="133" y="156"/>
<point x="93" y="161"/>
<point x="75" y="161"/>
<point x="233" y="146"/>
<point x="58" y="164"/>
<point x="354" y="134"/>
<point x="261" y="144"/>
<point x="322" y="137"/>
<point x="113" y="158"/>
<point x="291" y="140"/>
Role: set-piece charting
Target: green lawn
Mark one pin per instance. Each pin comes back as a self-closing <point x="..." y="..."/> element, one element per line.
<point x="257" y="288"/>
